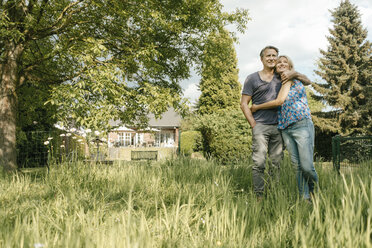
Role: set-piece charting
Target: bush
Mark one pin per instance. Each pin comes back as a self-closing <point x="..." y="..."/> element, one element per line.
<point x="226" y="136"/>
<point x="323" y="143"/>
<point x="38" y="148"/>
<point x="191" y="141"/>
<point x="355" y="150"/>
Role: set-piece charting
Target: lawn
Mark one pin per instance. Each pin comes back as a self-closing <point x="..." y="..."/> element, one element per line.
<point x="180" y="203"/>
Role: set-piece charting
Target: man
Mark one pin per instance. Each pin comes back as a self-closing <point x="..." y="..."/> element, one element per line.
<point x="260" y="87"/>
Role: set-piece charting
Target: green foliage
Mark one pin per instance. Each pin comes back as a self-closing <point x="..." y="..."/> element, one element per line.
<point x="219" y="85"/>
<point x="323" y="142"/>
<point x="314" y="104"/>
<point x="346" y="68"/>
<point x="350" y="151"/>
<point x="41" y="148"/>
<point x="109" y="59"/>
<point x="187" y="123"/>
<point x="102" y="60"/>
<point x="32" y="113"/>
<point x="226" y="136"/>
<point x="191" y="141"/>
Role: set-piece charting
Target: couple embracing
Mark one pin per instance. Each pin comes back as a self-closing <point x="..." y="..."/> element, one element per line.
<point x="279" y="112"/>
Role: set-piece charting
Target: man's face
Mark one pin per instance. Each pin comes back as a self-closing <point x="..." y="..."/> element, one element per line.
<point x="269" y="58"/>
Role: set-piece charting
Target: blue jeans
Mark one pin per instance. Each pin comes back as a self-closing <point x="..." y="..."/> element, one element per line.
<point x="299" y="139"/>
<point x="266" y="139"/>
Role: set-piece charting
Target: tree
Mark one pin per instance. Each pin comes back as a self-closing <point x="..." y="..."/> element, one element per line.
<point x="219" y="85"/>
<point x="346" y="68"/>
<point x="102" y="59"/>
<point x="225" y="135"/>
<point x="314" y="104"/>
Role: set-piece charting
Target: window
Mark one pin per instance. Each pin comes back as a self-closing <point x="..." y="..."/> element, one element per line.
<point x="157" y="139"/>
<point x="121" y="139"/>
<point x="139" y="139"/>
<point x="164" y="139"/>
<point x="127" y="139"/>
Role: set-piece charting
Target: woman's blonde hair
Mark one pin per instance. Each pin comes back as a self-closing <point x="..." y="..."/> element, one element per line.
<point x="290" y="63"/>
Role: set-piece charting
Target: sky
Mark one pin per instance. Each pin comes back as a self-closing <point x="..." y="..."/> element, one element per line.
<point x="297" y="27"/>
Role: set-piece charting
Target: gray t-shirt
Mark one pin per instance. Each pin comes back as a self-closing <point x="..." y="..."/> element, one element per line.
<point x="261" y="92"/>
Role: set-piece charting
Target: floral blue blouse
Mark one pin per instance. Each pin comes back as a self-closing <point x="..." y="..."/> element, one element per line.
<point x="295" y="107"/>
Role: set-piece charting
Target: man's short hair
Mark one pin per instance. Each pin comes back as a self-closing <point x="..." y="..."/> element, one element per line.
<point x="268" y="47"/>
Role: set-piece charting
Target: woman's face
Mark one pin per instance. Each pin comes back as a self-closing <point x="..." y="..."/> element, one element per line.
<point x="282" y="65"/>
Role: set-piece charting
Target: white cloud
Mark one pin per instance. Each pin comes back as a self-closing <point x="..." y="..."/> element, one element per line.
<point x="297" y="27"/>
<point x="192" y="93"/>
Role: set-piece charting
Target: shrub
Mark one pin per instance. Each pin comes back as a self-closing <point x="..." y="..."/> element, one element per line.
<point x="226" y="135"/>
<point x="190" y="141"/>
<point x="38" y="148"/>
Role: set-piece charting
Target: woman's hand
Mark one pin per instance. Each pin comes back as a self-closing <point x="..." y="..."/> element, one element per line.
<point x="254" y="108"/>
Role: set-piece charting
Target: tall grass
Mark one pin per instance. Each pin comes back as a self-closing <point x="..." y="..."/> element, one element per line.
<point x="180" y="203"/>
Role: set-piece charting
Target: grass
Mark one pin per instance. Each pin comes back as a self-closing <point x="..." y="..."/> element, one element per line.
<point x="180" y="203"/>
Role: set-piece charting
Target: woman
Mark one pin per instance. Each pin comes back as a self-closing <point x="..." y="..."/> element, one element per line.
<point x="294" y="121"/>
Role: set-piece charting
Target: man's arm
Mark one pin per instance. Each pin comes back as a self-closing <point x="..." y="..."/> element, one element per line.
<point x="244" y="101"/>
<point x="282" y="95"/>
<point x="291" y="74"/>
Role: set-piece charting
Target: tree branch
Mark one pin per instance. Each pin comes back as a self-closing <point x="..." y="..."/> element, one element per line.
<point x="42" y="7"/>
<point x="23" y="6"/>
<point x="67" y="8"/>
<point x="53" y="29"/>
<point x="30" y="6"/>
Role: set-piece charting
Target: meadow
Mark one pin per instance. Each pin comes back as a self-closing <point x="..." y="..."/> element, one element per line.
<point x="181" y="203"/>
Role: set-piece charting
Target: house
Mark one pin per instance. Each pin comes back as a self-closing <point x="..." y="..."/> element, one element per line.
<point x="160" y="140"/>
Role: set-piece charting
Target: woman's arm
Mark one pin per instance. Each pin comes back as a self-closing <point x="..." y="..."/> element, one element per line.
<point x="283" y="93"/>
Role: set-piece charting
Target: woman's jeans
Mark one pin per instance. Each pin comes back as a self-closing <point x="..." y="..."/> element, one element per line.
<point x="299" y="139"/>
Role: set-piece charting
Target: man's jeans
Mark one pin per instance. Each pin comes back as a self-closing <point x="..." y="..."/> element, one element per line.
<point x="299" y="139"/>
<point x="265" y="138"/>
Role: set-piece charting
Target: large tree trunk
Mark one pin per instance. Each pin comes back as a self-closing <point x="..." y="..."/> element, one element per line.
<point x="8" y="106"/>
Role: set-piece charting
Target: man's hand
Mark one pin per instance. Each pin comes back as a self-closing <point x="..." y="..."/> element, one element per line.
<point x="287" y="75"/>
<point x="253" y="125"/>
<point x="291" y="74"/>
<point x="244" y="102"/>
